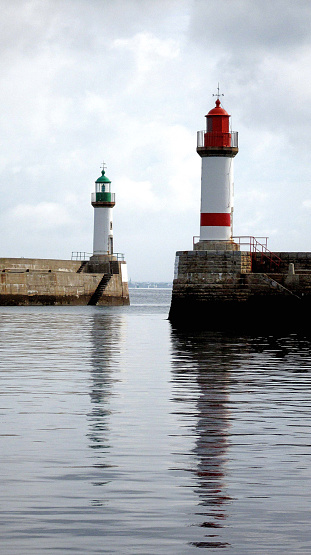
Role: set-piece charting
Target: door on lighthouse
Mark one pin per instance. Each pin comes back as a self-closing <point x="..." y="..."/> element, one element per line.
<point x="110" y="245"/>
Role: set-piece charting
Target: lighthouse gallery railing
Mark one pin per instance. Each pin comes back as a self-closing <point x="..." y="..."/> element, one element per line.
<point x="103" y="197"/>
<point x="213" y="139"/>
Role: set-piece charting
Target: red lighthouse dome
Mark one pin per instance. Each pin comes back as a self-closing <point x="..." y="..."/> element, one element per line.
<point x="217" y="127"/>
<point x="218" y="111"/>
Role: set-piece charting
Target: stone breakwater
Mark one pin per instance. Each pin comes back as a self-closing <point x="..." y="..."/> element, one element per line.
<point x="225" y="287"/>
<point x="27" y="281"/>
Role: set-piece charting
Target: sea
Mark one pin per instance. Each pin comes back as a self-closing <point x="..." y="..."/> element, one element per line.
<point x="121" y="435"/>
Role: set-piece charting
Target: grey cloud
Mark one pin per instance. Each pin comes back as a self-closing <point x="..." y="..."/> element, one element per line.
<point x="246" y="28"/>
<point x="70" y="97"/>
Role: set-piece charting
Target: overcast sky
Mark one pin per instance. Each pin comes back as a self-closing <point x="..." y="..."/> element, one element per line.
<point x="129" y="82"/>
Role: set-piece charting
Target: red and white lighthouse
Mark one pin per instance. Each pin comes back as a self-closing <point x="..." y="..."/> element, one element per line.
<point x="217" y="147"/>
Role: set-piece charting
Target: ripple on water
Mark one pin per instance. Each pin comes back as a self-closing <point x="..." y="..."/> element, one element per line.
<point x="122" y="435"/>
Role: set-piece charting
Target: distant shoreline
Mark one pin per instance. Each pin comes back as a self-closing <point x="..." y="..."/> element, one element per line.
<point x="150" y="285"/>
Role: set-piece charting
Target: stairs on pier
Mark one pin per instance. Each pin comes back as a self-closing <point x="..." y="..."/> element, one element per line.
<point x="100" y="289"/>
<point x="82" y="266"/>
<point x="278" y="286"/>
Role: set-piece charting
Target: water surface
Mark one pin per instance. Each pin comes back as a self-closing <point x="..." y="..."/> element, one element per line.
<point x="122" y="435"/>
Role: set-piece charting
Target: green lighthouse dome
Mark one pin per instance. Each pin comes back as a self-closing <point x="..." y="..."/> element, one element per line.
<point x="103" y="179"/>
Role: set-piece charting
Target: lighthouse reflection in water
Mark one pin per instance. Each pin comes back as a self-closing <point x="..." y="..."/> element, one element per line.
<point x="200" y="385"/>
<point x="121" y="434"/>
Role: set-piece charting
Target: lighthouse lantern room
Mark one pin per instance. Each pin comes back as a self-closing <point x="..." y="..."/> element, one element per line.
<point x="103" y="201"/>
<point x="217" y="147"/>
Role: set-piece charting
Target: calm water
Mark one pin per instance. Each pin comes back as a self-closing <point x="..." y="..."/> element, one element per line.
<point x="120" y="435"/>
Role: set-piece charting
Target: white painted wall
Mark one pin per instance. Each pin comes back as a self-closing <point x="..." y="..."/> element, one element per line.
<point x="216" y="194"/>
<point x="102" y="231"/>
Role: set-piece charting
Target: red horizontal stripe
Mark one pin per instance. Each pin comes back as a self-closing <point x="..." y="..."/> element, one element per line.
<point x="215" y="218"/>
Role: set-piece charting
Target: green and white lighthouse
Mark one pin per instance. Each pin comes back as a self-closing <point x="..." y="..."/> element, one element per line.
<point x="103" y="201"/>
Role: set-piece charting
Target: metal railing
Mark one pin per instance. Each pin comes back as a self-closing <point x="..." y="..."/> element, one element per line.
<point x="117" y="255"/>
<point x="217" y="139"/>
<point x="81" y="256"/>
<point x="255" y="246"/>
<point x="103" y="197"/>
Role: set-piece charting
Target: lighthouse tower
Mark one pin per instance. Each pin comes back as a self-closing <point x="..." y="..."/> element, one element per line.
<point x="217" y="147"/>
<point x="103" y="201"/>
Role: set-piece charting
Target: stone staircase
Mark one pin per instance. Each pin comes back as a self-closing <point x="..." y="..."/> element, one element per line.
<point x="272" y="283"/>
<point x="83" y="264"/>
<point x="100" y="289"/>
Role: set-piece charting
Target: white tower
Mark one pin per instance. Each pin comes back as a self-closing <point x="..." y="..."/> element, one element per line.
<point x="217" y="148"/>
<point x="103" y="201"/>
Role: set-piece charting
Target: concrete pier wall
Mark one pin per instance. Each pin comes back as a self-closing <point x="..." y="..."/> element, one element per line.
<point x="56" y="282"/>
<point x="39" y="264"/>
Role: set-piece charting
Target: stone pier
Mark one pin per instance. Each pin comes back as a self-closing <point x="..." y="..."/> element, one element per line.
<point x="217" y="284"/>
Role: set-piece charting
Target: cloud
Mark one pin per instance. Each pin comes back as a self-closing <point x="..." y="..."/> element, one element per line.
<point x="40" y="217"/>
<point x="251" y="28"/>
<point x="148" y="50"/>
<point x="130" y="83"/>
<point x="137" y="196"/>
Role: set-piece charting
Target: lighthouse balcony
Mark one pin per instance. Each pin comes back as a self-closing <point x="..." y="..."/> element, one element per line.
<point x="217" y="139"/>
<point x="103" y="197"/>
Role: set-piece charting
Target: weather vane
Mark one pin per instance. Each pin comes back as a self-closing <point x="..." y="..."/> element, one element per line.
<point x="218" y="93"/>
<point x="103" y="166"/>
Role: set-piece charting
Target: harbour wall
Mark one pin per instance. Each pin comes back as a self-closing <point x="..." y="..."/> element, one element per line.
<point x="39" y="264"/>
<point x="222" y="286"/>
<point x="25" y="281"/>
